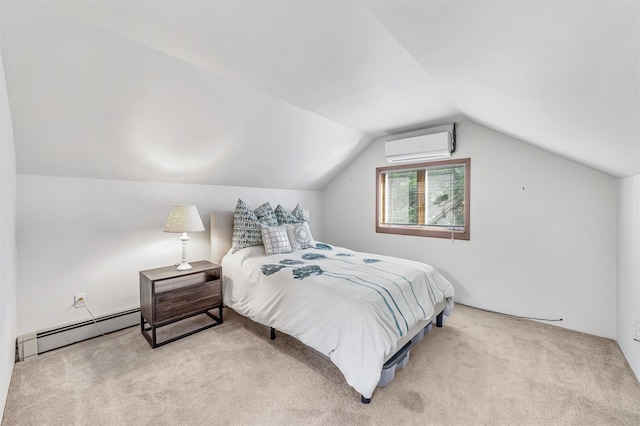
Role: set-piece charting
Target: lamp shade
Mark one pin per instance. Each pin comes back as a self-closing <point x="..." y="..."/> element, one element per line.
<point x="184" y="219"/>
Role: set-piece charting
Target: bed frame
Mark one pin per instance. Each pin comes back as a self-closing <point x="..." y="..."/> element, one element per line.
<point x="221" y="237"/>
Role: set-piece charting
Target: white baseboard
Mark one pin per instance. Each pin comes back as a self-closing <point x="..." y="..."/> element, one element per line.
<point x="33" y="344"/>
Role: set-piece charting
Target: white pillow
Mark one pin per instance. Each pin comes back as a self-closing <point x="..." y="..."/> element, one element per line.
<point x="275" y="239"/>
<point x="300" y="236"/>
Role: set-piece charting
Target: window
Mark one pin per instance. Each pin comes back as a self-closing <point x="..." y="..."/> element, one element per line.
<point x="427" y="199"/>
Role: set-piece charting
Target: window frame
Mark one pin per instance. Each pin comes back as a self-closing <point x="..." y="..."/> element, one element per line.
<point x="424" y="230"/>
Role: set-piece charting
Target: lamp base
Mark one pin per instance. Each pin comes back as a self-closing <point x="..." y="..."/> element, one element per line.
<point x="184" y="266"/>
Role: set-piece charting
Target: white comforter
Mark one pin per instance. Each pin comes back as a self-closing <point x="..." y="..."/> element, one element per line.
<point x="353" y="307"/>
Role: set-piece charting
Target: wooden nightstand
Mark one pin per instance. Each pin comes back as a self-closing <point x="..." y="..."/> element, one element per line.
<point x="168" y="295"/>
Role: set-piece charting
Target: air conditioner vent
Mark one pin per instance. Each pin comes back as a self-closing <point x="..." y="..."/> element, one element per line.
<point x="436" y="146"/>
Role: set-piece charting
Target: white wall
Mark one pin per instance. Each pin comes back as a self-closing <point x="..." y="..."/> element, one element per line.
<point x="94" y="236"/>
<point x="8" y="251"/>
<point x="543" y="231"/>
<point x="628" y="288"/>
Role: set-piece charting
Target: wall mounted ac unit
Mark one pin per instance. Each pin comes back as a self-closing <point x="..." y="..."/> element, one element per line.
<point x="436" y="146"/>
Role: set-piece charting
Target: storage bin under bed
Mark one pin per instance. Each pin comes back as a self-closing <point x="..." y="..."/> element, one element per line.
<point x="401" y="358"/>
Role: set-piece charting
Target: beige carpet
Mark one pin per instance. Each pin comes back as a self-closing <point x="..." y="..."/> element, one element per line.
<point x="481" y="368"/>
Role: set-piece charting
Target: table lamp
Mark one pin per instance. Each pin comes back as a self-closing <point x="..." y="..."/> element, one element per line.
<point x="183" y="219"/>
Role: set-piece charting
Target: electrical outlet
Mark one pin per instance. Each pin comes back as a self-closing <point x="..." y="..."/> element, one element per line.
<point x="636" y="328"/>
<point x="78" y="300"/>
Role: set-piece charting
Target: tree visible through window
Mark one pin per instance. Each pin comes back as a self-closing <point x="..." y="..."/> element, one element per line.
<point x="428" y="199"/>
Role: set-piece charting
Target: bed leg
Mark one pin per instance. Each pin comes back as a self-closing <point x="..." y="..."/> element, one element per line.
<point x="273" y="334"/>
<point x="439" y="319"/>
<point x="365" y="400"/>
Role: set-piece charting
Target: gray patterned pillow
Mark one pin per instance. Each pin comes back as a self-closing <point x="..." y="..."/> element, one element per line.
<point x="275" y="239"/>
<point x="246" y="228"/>
<point x="266" y="215"/>
<point x="283" y="216"/>
<point x="299" y="214"/>
<point x="300" y="236"/>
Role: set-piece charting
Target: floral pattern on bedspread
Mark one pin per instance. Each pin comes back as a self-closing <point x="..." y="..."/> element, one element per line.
<point x="351" y="273"/>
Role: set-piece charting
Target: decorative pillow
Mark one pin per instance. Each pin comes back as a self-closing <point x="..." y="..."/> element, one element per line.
<point x="283" y="216"/>
<point x="300" y="236"/>
<point x="275" y="239"/>
<point x="266" y="215"/>
<point x="246" y="228"/>
<point x="299" y="214"/>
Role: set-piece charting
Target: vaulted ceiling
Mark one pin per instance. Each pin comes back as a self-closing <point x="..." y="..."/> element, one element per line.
<point x="285" y="93"/>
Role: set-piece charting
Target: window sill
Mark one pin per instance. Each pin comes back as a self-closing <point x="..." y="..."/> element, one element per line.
<point x="419" y="231"/>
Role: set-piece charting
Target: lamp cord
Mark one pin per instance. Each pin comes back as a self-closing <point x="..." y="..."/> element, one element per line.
<point x="92" y="317"/>
<point x="510" y="315"/>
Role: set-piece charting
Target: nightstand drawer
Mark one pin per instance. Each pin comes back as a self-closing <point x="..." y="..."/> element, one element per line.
<point x="188" y="300"/>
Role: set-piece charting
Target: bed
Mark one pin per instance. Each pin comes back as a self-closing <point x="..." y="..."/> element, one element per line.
<point x="358" y="309"/>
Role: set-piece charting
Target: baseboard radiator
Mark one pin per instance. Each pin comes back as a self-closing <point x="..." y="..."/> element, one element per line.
<point x="31" y="345"/>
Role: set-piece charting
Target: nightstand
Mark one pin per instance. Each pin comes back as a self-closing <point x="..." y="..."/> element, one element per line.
<point x="168" y="295"/>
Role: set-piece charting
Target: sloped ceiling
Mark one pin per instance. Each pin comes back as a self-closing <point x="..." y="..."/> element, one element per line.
<point x="285" y="94"/>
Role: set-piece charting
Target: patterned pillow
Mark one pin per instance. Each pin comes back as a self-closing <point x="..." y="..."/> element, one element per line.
<point x="299" y="214"/>
<point x="283" y="216"/>
<point x="266" y="215"/>
<point x="275" y="239"/>
<point x="300" y="236"/>
<point x="246" y="228"/>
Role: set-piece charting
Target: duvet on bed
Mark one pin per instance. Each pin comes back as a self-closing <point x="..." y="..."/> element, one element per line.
<point x="352" y="307"/>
